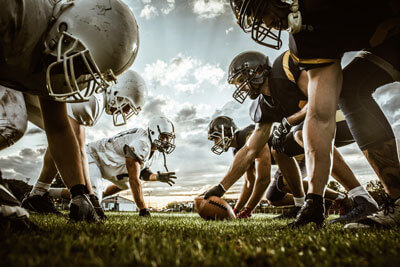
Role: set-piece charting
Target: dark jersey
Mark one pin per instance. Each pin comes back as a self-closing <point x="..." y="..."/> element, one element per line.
<point x="333" y="27"/>
<point x="286" y="98"/>
<point x="242" y="136"/>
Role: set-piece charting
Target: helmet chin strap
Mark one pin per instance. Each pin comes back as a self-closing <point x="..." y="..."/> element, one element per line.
<point x="294" y="18"/>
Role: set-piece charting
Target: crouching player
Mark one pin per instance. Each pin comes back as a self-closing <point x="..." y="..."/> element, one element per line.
<point x="125" y="159"/>
<point x="224" y="133"/>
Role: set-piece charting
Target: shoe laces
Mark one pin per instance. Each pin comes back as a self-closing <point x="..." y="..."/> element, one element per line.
<point x="388" y="204"/>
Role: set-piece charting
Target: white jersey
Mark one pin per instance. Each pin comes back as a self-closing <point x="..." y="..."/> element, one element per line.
<point x="87" y="113"/>
<point x="110" y="153"/>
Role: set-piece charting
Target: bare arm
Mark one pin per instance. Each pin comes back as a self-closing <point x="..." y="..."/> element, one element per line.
<point x="298" y="117"/>
<point x="133" y="168"/>
<point x="247" y="188"/>
<point x="263" y="170"/>
<point x="247" y="154"/>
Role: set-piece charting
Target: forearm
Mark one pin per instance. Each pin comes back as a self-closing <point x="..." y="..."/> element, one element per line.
<point x="247" y="154"/>
<point x="298" y="117"/>
<point x="136" y="188"/>
<point x="258" y="192"/>
<point x="245" y="194"/>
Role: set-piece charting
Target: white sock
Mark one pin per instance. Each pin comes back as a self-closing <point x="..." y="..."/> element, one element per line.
<point x="39" y="189"/>
<point x="361" y="191"/>
<point x="55" y="192"/>
<point x="299" y="201"/>
<point x="340" y="196"/>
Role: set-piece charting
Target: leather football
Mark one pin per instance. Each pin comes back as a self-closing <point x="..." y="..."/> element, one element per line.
<point x="213" y="208"/>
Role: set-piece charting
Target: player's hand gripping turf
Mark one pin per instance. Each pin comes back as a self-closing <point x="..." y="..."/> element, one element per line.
<point x="279" y="133"/>
<point x="144" y="213"/>
<point x="166" y="177"/>
<point x="245" y="213"/>
<point x="217" y="190"/>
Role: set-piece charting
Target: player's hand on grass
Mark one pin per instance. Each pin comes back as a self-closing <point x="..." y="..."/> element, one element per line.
<point x="144" y="213"/>
<point x="279" y="133"/>
<point x="245" y="213"/>
<point x="166" y="177"/>
<point x="217" y="190"/>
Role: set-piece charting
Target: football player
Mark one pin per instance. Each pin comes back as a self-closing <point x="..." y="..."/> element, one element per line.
<point x="125" y="159"/>
<point x="319" y="34"/>
<point x="122" y="101"/>
<point x="55" y="49"/>
<point x="223" y="131"/>
<point x="280" y="96"/>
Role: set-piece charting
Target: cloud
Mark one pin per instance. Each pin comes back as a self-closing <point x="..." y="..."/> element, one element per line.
<point x="229" y="30"/>
<point x="208" y="9"/>
<point x="169" y="6"/>
<point x="184" y="74"/>
<point x="25" y="164"/>
<point x="149" y="12"/>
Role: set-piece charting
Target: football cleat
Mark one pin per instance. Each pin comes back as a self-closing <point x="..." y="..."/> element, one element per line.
<point x="291" y="214"/>
<point x="387" y="216"/>
<point x="81" y="209"/>
<point x="310" y="212"/>
<point x="362" y="208"/>
<point x="40" y="204"/>
<point x="97" y="207"/>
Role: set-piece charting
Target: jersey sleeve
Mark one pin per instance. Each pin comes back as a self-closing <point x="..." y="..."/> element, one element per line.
<point x="263" y="112"/>
<point x="138" y="150"/>
<point x="87" y="113"/>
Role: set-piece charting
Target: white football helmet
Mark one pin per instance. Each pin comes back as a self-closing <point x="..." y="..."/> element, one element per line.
<point x="88" y="44"/>
<point x="126" y="98"/>
<point x="162" y="134"/>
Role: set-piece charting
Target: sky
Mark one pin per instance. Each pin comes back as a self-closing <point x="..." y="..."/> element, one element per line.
<point x="185" y="50"/>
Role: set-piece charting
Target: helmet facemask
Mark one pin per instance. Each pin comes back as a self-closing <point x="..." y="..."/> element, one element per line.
<point x="248" y="82"/>
<point x="165" y="142"/>
<point x="71" y="52"/>
<point x="250" y="13"/>
<point x="224" y="141"/>
<point x="121" y="108"/>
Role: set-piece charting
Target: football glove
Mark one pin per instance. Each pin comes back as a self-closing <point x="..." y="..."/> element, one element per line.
<point x="217" y="190"/>
<point x="166" y="177"/>
<point x="279" y="133"/>
<point x="144" y="213"/>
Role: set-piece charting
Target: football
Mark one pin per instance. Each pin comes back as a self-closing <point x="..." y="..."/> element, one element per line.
<point x="213" y="208"/>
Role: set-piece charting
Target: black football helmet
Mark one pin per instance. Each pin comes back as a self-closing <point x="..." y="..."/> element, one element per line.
<point x="248" y="71"/>
<point x="223" y="128"/>
<point x="249" y="15"/>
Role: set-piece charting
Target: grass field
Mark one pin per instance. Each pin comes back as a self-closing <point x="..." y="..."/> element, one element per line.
<point x="186" y="240"/>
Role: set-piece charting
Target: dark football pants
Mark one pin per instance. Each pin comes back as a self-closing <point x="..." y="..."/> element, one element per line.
<point x="361" y="78"/>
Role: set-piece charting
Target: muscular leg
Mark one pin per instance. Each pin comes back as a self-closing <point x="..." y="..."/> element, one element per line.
<point x="319" y="126"/>
<point x="81" y="136"/>
<point x="291" y="172"/>
<point x="367" y="122"/>
<point x="385" y="162"/>
<point x="63" y="145"/>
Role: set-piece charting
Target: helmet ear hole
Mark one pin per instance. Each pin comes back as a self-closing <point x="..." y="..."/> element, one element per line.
<point x="63" y="27"/>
